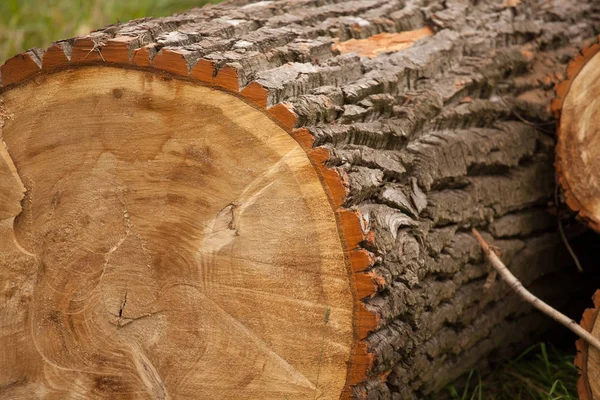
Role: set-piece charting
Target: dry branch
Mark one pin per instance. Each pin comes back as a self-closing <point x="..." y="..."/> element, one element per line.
<point x="526" y="295"/>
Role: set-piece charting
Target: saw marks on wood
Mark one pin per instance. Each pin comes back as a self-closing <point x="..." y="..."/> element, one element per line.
<point x="578" y="146"/>
<point x="174" y="242"/>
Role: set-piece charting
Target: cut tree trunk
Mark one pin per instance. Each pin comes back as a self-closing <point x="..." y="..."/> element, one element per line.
<point x="578" y="142"/>
<point x="588" y="357"/>
<point x="577" y="165"/>
<point x="272" y="200"/>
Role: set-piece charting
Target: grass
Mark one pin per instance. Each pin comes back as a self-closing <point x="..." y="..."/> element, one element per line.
<point x="37" y="23"/>
<point x="539" y="373"/>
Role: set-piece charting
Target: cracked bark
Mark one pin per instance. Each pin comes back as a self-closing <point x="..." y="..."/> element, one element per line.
<point x="423" y="142"/>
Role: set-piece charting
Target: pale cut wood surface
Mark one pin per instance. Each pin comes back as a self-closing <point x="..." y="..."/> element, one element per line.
<point x="166" y="249"/>
<point x="577" y="162"/>
<point x="383" y="42"/>
<point x="578" y="150"/>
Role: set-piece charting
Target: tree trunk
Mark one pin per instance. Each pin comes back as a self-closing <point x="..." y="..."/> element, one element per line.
<point x="588" y="358"/>
<point x="577" y="163"/>
<point x="300" y="233"/>
<point x="577" y="147"/>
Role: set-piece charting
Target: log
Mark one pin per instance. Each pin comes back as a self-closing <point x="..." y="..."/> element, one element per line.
<point x="576" y="166"/>
<point x="588" y="357"/>
<point x="577" y="146"/>
<point x="273" y="200"/>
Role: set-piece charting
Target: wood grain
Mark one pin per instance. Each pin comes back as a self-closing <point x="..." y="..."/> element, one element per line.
<point x="578" y="144"/>
<point x="165" y="249"/>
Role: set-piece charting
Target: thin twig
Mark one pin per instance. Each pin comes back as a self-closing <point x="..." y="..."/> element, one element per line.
<point x="491" y="279"/>
<point x="518" y="287"/>
<point x="538" y="125"/>
<point x="561" y="230"/>
<point x="97" y="47"/>
<point x="489" y="282"/>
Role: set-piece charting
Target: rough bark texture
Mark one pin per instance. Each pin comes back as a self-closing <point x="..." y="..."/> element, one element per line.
<point x="450" y="132"/>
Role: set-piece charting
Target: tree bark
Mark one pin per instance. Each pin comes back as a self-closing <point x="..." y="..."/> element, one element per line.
<point x="588" y="358"/>
<point x="421" y="119"/>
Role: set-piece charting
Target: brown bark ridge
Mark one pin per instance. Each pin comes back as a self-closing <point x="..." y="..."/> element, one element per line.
<point x="576" y="143"/>
<point x="588" y="358"/>
<point x="420" y="118"/>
